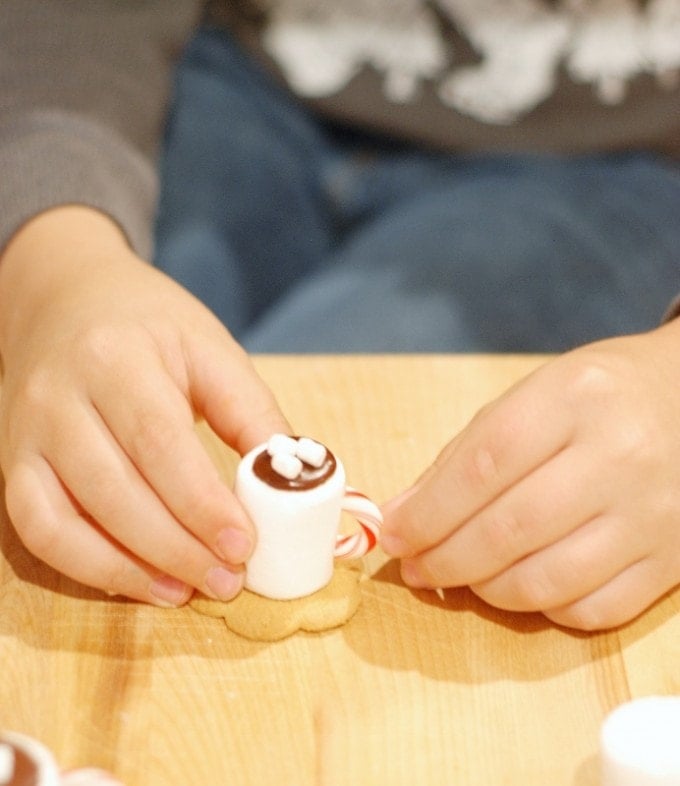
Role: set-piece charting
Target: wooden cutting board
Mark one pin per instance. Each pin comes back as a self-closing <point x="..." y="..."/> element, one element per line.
<point x="415" y="690"/>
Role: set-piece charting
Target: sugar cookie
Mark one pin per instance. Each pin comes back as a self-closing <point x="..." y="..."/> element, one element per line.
<point x="263" y="619"/>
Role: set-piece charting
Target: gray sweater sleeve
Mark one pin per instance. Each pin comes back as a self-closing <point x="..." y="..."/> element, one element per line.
<point x="84" y="86"/>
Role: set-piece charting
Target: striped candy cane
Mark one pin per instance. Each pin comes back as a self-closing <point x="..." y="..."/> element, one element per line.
<point x="368" y="514"/>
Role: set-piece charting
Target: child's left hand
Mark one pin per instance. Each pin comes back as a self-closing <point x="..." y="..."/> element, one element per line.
<point x="563" y="496"/>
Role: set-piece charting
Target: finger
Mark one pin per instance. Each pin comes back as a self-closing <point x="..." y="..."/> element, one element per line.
<point x="572" y="568"/>
<point x="233" y="398"/>
<point x="541" y="509"/>
<point x="109" y="488"/>
<point x="52" y="529"/>
<point x="503" y="444"/>
<point x="618" y="601"/>
<point x="153" y="423"/>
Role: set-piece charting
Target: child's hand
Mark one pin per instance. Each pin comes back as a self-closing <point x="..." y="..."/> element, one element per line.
<point x="563" y="495"/>
<point x="106" y="364"/>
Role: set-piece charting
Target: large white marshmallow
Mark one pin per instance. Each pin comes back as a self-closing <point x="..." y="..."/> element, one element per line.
<point x="296" y="532"/>
<point x="640" y="743"/>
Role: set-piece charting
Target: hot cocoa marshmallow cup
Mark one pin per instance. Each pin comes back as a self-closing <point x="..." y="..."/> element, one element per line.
<point x="640" y="743"/>
<point x="294" y="490"/>
<point x="26" y="762"/>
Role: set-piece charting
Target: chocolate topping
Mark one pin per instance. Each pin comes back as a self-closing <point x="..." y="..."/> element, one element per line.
<point x="25" y="772"/>
<point x="307" y="479"/>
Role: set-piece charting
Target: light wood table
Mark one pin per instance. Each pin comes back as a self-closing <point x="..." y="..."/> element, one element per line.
<point x="415" y="690"/>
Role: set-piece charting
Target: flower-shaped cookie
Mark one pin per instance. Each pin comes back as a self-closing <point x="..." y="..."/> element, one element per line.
<point x="263" y="619"/>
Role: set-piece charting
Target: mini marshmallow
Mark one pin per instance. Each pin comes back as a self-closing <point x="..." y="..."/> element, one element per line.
<point x="286" y="465"/>
<point x="6" y="763"/>
<point x="311" y="452"/>
<point x="282" y="443"/>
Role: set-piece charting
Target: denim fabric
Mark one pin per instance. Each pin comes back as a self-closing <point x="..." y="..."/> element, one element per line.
<point x="307" y="237"/>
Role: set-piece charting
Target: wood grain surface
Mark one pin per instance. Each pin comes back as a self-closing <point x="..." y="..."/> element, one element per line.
<point x="415" y="690"/>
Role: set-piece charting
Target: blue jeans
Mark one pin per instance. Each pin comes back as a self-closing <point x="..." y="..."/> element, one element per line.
<point x="307" y="237"/>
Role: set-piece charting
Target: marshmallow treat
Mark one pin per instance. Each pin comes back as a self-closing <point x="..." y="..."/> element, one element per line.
<point x="294" y="490"/>
<point x="26" y="762"/>
<point x="640" y="743"/>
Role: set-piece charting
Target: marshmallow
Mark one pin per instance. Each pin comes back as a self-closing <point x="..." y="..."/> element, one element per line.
<point x="281" y="443"/>
<point x="286" y="465"/>
<point x="311" y="452"/>
<point x="27" y="759"/>
<point x="6" y="763"/>
<point x="640" y="743"/>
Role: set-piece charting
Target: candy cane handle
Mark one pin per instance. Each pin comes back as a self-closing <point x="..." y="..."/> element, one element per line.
<point x="370" y="519"/>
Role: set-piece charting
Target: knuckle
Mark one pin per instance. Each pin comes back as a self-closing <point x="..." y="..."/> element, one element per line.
<point x="202" y="506"/>
<point x="198" y="514"/>
<point x="119" y="578"/>
<point x="152" y="437"/>
<point x="535" y="589"/>
<point x="504" y="536"/>
<point x="593" y="377"/>
<point x="585" y="615"/>
<point x="176" y="560"/>
<point x="482" y="470"/>
<point x="428" y="573"/>
<point x="99" y="345"/>
<point x="35" y="396"/>
<point x="39" y="534"/>
<point x="101" y="485"/>
<point x="597" y="380"/>
<point x="634" y="445"/>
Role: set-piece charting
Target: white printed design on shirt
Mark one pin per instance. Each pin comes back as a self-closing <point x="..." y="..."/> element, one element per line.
<point x="522" y="45"/>
<point x="322" y="44"/>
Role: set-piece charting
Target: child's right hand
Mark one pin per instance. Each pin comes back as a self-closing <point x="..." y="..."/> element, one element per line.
<point x="107" y="363"/>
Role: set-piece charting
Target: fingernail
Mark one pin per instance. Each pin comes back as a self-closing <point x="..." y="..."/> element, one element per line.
<point x="169" y="591"/>
<point x="391" y="505"/>
<point x="411" y="575"/>
<point x="393" y="545"/>
<point x="234" y="545"/>
<point x="223" y="584"/>
<point x="388" y="508"/>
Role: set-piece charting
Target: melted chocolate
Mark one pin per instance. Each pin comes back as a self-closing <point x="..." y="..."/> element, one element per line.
<point x="307" y="479"/>
<point x="25" y="771"/>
